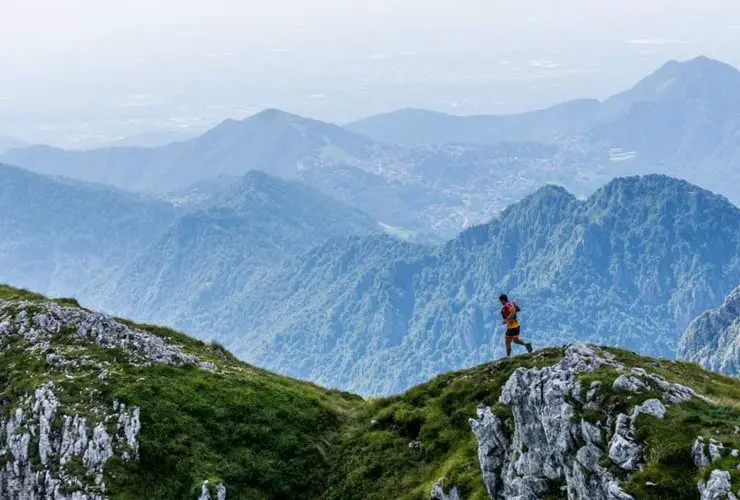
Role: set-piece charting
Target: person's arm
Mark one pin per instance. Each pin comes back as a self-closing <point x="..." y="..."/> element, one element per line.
<point x="511" y="315"/>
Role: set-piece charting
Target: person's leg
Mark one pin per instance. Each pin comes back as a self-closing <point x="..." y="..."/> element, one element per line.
<point x="527" y="345"/>
<point x="508" y="345"/>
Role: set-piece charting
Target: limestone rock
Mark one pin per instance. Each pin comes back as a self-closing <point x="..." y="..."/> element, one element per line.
<point x="546" y="444"/>
<point x="492" y="447"/>
<point x="719" y="487"/>
<point x="205" y="493"/>
<point x="715" y="450"/>
<point x="438" y="493"/>
<point x="713" y="339"/>
<point x="629" y="384"/>
<point x="650" y="407"/>
<point x="698" y="454"/>
<point x="591" y="433"/>
<point x="550" y="443"/>
<point x="639" y="380"/>
<point x="50" y="318"/>
<point x="89" y="443"/>
<point x="623" y="450"/>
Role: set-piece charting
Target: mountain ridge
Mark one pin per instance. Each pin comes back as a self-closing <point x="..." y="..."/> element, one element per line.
<point x="208" y="254"/>
<point x="419" y="126"/>
<point x="124" y="410"/>
<point x="56" y="250"/>
<point x="701" y="77"/>
<point x="372" y="304"/>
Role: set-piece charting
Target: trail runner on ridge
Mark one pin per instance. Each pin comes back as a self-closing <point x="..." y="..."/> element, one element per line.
<point x="508" y="312"/>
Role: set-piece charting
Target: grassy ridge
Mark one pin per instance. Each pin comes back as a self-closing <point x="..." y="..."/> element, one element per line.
<point x="271" y="437"/>
<point x="263" y="435"/>
<point x="376" y="460"/>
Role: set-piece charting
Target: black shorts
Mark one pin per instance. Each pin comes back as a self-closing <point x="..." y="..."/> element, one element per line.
<point x="512" y="332"/>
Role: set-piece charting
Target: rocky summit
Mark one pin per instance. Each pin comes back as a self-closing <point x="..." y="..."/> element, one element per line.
<point x="94" y="407"/>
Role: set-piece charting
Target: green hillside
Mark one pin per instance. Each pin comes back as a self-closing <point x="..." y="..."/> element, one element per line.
<point x="170" y="412"/>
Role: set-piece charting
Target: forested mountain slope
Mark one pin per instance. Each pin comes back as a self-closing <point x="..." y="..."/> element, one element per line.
<point x="58" y="234"/>
<point x="209" y="256"/>
<point x="630" y="266"/>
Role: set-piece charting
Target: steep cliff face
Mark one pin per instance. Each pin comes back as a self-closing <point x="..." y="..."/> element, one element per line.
<point x="713" y="339"/>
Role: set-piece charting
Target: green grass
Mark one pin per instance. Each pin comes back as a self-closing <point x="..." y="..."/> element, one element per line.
<point x="375" y="461"/>
<point x="265" y="437"/>
<point x="11" y="293"/>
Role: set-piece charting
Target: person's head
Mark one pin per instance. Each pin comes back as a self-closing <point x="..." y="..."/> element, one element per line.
<point x="503" y="298"/>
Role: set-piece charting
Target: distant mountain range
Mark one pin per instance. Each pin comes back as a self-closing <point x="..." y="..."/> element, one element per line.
<point x="427" y="193"/>
<point x="209" y="256"/>
<point x="713" y="339"/>
<point x="271" y="141"/>
<point x="431" y="175"/>
<point x="706" y="91"/>
<point x="56" y="235"/>
<point x="682" y="120"/>
<point x="422" y="127"/>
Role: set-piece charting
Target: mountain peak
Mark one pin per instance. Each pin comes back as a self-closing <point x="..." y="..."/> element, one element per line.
<point x="700" y="69"/>
<point x="272" y="114"/>
<point x="655" y="188"/>
<point x="545" y="198"/>
<point x="653" y="183"/>
<point x="700" y="78"/>
<point x="701" y="64"/>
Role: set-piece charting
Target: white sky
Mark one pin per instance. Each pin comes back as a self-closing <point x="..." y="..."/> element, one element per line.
<point x="87" y="70"/>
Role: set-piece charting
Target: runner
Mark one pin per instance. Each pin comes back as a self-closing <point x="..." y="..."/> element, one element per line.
<point x="513" y="328"/>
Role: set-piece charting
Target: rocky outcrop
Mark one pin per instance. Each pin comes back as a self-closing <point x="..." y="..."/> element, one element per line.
<point x="212" y="493"/>
<point x="551" y="445"/>
<point x="49" y="454"/>
<point x="438" y="493"/>
<point x="52" y="452"/>
<point x="698" y="454"/>
<point x="719" y="487"/>
<point x="38" y="322"/>
<point x="713" y="339"/>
